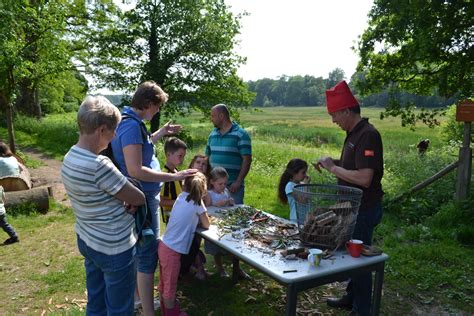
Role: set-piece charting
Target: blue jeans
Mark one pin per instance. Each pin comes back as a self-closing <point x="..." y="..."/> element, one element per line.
<point x="7" y="227"/>
<point x="110" y="281"/>
<point x="238" y="196"/>
<point x="360" y="287"/>
<point x="147" y="256"/>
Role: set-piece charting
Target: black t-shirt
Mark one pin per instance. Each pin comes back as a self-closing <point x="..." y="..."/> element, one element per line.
<point x="363" y="149"/>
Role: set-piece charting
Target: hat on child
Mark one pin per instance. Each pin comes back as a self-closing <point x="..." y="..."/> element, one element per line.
<point x="340" y="97"/>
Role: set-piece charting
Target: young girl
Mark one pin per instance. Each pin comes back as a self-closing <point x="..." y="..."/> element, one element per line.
<point x="201" y="163"/>
<point x="188" y="211"/>
<point x="219" y="194"/>
<point x="295" y="173"/>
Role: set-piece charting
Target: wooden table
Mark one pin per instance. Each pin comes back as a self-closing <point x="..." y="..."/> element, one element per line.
<point x="339" y="268"/>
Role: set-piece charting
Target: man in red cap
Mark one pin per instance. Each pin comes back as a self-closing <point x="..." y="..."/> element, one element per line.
<point x="360" y="166"/>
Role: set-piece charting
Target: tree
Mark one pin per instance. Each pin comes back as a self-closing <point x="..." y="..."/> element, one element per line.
<point x="47" y="46"/>
<point x="185" y="46"/>
<point x="40" y="40"/>
<point x="334" y="77"/>
<point x="418" y="46"/>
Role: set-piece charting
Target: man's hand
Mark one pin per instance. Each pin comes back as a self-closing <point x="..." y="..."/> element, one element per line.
<point x="235" y="186"/>
<point x="317" y="166"/>
<point x="327" y="163"/>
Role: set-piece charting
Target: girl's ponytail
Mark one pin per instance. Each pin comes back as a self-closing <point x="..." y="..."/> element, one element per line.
<point x="196" y="187"/>
<point x="292" y="168"/>
<point x="284" y="179"/>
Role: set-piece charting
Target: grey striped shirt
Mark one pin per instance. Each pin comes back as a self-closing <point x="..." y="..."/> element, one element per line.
<point x="91" y="182"/>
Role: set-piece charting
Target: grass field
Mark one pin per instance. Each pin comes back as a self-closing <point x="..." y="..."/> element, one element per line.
<point x="430" y="266"/>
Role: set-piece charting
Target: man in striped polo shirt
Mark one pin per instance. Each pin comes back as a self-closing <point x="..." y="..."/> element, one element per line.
<point x="229" y="146"/>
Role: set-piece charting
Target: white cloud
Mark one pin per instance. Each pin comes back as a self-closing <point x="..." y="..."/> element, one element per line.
<point x="299" y="37"/>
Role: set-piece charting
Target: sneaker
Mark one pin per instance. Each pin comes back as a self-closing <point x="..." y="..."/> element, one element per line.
<point x="11" y="240"/>
<point x="156" y="303"/>
<point x="200" y="275"/>
<point x="224" y="274"/>
<point x="137" y="305"/>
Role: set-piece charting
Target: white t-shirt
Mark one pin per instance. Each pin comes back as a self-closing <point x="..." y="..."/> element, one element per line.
<point x="217" y="197"/>
<point x="291" y="200"/>
<point x="182" y="224"/>
<point x="9" y="167"/>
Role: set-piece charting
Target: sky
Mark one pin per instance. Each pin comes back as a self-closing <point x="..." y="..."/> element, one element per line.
<point x="299" y="37"/>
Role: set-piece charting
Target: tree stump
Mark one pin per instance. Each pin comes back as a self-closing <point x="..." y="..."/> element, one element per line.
<point x="39" y="197"/>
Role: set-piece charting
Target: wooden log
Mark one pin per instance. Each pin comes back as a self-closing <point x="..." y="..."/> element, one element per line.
<point x="39" y="197"/>
<point x="325" y="218"/>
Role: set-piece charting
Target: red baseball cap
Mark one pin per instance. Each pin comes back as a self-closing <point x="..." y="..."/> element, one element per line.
<point x="340" y="97"/>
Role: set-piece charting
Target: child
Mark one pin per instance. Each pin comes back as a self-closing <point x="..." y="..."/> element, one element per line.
<point x="219" y="194"/>
<point x="3" y="221"/>
<point x="175" y="150"/>
<point x="294" y="174"/>
<point x="196" y="258"/>
<point x="201" y="163"/>
<point x="188" y="211"/>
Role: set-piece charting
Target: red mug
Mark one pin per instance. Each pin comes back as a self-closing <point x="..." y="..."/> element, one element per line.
<point x="354" y="247"/>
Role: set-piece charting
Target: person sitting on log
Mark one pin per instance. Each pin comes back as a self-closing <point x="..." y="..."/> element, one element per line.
<point x="13" y="175"/>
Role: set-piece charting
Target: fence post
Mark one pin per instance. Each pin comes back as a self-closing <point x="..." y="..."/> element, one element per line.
<point x="465" y="165"/>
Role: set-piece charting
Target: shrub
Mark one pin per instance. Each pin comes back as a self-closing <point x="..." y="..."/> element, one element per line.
<point x="456" y="218"/>
<point x="452" y="130"/>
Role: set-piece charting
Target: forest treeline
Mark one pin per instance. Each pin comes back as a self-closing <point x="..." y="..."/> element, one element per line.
<point x="310" y="91"/>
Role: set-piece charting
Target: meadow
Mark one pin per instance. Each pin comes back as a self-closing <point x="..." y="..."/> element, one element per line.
<point x="427" y="236"/>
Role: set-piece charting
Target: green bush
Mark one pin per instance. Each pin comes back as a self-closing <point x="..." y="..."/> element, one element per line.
<point x="456" y="219"/>
<point x="452" y="130"/>
<point x="71" y="106"/>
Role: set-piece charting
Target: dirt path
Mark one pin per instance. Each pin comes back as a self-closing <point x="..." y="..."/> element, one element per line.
<point x="48" y="174"/>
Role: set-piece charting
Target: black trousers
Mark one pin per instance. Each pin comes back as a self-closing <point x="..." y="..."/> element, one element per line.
<point x="188" y="260"/>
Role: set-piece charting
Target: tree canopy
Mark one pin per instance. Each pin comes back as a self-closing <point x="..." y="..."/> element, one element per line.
<point x="185" y="46"/>
<point x="419" y="46"/>
<point x="422" y="47"/>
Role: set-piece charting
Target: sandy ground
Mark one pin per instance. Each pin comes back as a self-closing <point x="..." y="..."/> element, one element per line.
<point x="48" y="174"/>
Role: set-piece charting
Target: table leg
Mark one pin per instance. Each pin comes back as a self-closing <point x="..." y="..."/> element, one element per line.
<point x="378" y="282"/>
<point x="235" y="269"/>
<point x="291" y="296"/>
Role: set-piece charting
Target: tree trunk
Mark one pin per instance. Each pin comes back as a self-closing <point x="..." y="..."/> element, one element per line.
<point x="11" y="130"/>
<point x="27" y="100"/>
<point x="39" y="197"/>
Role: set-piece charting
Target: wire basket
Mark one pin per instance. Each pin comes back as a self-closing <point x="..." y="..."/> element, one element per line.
<point x="326" y="214"/>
